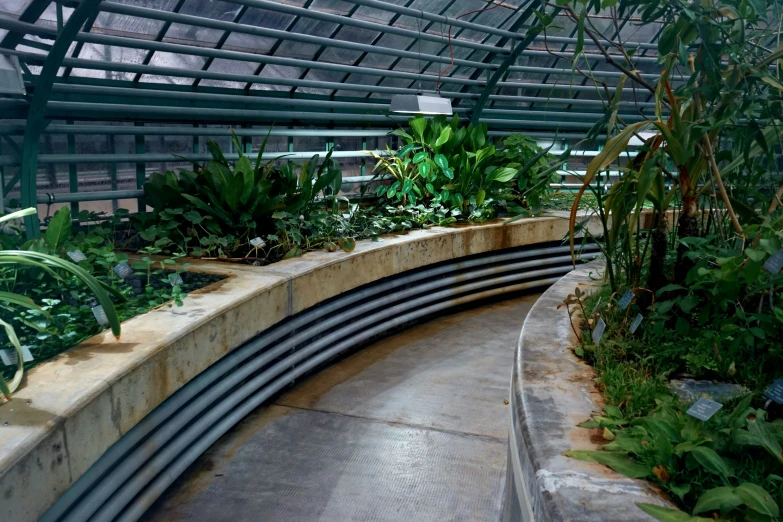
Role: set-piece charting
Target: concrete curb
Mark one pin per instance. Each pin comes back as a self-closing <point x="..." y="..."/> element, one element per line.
<point x="552" y="391"/>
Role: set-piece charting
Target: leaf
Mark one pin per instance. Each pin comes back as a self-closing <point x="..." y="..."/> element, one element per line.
<point x="755" y="255"/>
<point x="505" y="174"/>
<point x="245" y="178"/>
<point x="665" y="514"/>
<point x="418" y="125"/>
<point x="59" y="229"/>
<point x="443" y="138"/>
<point x="580" y="35"/>
<point x="711" y="461"/>
<point x="19" y="214"/>
<point x="480" y="195"/>
<point x="442" y="162"/>
<point x="424" y="170"/>
<point x="347" y="244"/>
<point x="37" y="258"/>
<point x="620" y="462"/>
<point x="421" y="156"/>
<point x="757" y="499"/>
<point x="717" y="499"/>
<point x="614" y="147"/>
<point x="11" y="387"/>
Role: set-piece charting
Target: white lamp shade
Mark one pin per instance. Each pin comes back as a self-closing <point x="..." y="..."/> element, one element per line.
<point x="420" y="104"/>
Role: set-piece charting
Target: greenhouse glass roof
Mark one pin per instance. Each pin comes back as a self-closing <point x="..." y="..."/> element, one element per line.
<point x="97" y="94"/>
<point x="308" y="61"/>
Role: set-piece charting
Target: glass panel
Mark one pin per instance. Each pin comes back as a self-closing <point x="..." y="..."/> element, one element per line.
<point x="229" y="66"/>
<point x="14" y="8"/>
<point x="127" y="24"/>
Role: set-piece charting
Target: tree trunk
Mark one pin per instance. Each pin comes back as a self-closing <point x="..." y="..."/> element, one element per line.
<point x="656" y="278"/>
<point x="687" y="226"/>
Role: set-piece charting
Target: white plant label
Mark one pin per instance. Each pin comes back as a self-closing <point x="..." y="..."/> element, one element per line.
<point x="123" y="270"/>
<point x="175" y="279"/>
<point x="100" y="315"/>
<point x="704" y="408"/>
<point x="257" y="242"/>
<point x="636" y="322"/>
<point x="76" y="255"/>
<point x="774" y="264"/>
<point x="10" y="358"/>
<point x="626" y="299"/>
<point x="598" y="331"/>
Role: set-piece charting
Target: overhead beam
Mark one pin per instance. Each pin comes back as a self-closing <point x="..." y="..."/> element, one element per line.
<point x="36" y="117"/>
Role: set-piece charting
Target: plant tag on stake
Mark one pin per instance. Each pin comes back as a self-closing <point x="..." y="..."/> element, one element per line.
<point x="76" y="255"/>
<point x="10" y="357"/>
<point x="775" y="391"/>
<point x="123" y="270"/>
<point x="626" y="299"/>
<point x="598" y="331"/>
<point x="597" y="304"/>
<point x="175" y="279"/>
<point x="704" y="408"/>
<point x="100" y="315"/>
<point x="774" y="264"/>
<point x="257" y="242"/>
<point x="636" y="322"/>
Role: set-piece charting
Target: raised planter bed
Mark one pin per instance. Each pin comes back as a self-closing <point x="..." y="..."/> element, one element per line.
<point x="552" y="391"/>
<point x="77" y="406"/>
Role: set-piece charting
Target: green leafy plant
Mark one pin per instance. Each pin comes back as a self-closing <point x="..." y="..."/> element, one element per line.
<point x="217" y="208"/>
<point x="52" y="266"/>
<point x="714" y="466"/>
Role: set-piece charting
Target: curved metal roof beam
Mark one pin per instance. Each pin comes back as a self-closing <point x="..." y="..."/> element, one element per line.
<point x="36" y="121"/>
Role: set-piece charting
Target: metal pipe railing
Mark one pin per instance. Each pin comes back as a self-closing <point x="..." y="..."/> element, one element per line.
<point x="226" y="382"/>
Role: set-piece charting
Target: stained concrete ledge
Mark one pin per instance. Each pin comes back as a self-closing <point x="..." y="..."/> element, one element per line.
<point x="552" y="391"/>
<point x="74" y="407"/>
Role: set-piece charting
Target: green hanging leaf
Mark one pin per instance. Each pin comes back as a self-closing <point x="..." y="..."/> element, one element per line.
<point x="59" y="229"/>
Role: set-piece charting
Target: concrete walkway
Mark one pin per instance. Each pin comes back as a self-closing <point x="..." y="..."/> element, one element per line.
<point x="413" y="427"/>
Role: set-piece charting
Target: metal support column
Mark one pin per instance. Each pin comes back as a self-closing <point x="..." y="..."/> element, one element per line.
<point x="141" y="167"/>
<point x="73" y="174"/>
<point x="36" y="118"/>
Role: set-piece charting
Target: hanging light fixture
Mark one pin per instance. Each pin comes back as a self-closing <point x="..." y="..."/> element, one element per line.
<point x="420" y="103"/>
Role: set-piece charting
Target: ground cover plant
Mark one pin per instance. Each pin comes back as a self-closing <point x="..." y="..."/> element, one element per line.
<point x="65" y="287"/>
<point x="703" y="274"/>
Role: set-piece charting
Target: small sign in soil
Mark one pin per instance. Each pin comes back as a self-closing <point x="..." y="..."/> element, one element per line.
<point x="10" y="357"/>
<point x="704" y="408"/>
<point x="123" y="270"/>
<point x="636" y="322"/>
<point x="774" y="264"/>
<point x="76" y="255"/>
<point x="775" y="391"/>
<point x="598" y="331"/>
<point x="626" y="299"/>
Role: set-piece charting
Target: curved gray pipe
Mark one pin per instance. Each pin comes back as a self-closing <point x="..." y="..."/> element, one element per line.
<point x="203" y="381"/>
<point x="99" y="491"/>
<point x="230" y="419"/>
<point x="158" y="463"/>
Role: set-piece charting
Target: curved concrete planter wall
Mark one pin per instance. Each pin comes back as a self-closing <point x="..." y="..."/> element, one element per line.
<point x="552" y="391"/>
<point x="107" y="425"/>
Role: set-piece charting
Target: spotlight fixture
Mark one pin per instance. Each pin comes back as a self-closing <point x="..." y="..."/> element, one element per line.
<point x="420" y="104"/>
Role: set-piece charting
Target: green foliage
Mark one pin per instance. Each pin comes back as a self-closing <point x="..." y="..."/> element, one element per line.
<point x="445" y="164"/>
<point x="217" y="208"/>
<point x="718" y="467"/>
<point x="46" y="299"/>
